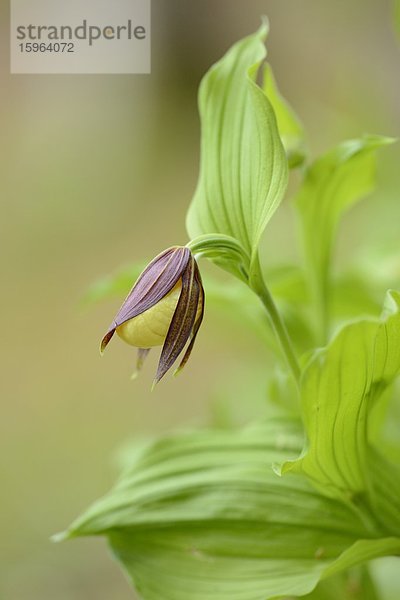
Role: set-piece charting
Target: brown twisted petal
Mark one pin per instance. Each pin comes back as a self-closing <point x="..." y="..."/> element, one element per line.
<point x="183" y="320"/>
<point x="197" y="323"/>
<point x="158" y="278"/>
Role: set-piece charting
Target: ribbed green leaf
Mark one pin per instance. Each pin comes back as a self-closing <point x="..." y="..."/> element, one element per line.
<point x="203" y="516"/>
<point x="225" y="251"/>
<point x="331" y="185"/>
<point x="243" y="168"/>
<point x="340" y="387"/>
<point x="289" y="125"/>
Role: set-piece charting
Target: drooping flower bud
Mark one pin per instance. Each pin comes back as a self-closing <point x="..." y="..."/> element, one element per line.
<point x="165" y="307"/>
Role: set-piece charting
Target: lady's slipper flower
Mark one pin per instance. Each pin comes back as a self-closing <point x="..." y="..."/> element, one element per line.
<point x="165" y="307"/>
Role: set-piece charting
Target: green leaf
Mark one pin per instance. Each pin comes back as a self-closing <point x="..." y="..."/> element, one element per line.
<point x="354" y="584"/>
<point x="289" y="125"/>
<point x="202" y="516"/>
<point x="243" y="167"/>
<point x="339" y="389"/>
<point x="353" y="295"/>
<point x="332" y="184"/>
<point x="225" y="250"/>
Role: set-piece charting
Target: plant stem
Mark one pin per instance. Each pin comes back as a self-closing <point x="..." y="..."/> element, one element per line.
<point x="259" y="286"/>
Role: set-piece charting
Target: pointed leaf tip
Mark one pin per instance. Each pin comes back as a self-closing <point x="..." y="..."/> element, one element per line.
<point x="236" y="115"/>
<point x="60" y="537"/>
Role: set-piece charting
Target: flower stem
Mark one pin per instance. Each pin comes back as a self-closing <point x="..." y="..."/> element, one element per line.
<point x="259" y="286"/>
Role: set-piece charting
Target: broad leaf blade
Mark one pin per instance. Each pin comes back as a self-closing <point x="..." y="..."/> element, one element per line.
<point x="243" y="168"/>
<point x="340" y="387"/>
<point x="202" y="516"/>
<point x="332" y="184"/>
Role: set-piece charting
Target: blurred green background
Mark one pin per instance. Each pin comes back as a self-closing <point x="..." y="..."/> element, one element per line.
<point x="97" y="172"/>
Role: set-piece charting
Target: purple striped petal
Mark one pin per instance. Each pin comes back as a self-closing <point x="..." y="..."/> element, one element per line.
<point x="158" y="278"/>
<point x="182" y="321"/>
